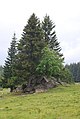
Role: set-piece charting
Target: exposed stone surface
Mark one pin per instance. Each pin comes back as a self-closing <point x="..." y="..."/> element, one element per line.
<point x="38" y="84"/>
<point x="42" y="84"/>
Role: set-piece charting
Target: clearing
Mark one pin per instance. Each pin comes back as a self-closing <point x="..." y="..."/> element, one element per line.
<point x="58" y="103"/>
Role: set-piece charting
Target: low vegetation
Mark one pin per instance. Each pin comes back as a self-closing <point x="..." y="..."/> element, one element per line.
<point x="58" y="103"/>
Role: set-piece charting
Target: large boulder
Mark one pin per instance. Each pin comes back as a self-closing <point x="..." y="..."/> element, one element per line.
<point x="38" y="84"/>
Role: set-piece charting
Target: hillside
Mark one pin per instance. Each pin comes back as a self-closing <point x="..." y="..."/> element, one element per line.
<point x="57" y="103"/>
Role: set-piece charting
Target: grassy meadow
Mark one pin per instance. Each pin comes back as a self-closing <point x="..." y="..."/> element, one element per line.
<point x="57" y="103"/>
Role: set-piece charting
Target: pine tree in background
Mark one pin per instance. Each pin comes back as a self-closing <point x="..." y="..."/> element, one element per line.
<point x="74" y="68"/>
<point x="9" y="67"/>
<point x="29" y="49"/>
<point x="50" y="34"/>
<point x="78" y="72"/>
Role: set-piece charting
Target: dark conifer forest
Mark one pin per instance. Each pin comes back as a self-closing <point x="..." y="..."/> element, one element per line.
<point x="74" y="68"/>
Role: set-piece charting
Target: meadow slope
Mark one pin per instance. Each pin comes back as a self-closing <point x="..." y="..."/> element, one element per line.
<point x="57" y="103"/>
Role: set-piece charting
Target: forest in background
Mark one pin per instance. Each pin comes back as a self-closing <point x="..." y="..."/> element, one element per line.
<point x="74" y="68"/>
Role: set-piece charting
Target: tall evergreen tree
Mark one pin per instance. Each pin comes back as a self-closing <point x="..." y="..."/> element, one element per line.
<point x="1" y="70"/>
<point x="1" y="75"/>
<point x="29" y="48"/>
<point x="9" y="67"/>
<point x="50" y="34"/>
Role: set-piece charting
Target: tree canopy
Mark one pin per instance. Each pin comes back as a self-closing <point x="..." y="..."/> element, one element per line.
<point x="29" y="48"/>
<point x="50" y="34"/>
<point x="36" y="53"/>
<point x="9" y="67"/>
<point x="50" y="64"/>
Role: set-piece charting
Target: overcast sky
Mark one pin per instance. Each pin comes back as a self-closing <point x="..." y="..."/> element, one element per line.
<point x="65" y="13"/>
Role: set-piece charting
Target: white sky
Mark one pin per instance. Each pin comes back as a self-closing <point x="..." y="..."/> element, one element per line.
<point x="65" y="13"/>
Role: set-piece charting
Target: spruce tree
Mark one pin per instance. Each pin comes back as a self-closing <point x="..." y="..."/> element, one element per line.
<point x="29" y="49"/>
<point x="9" y="67"/>
<point x="50" y="34"/>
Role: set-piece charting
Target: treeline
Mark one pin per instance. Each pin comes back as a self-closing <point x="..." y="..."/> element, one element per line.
<point x="38" y="53"/>
<point x="74" y="68"/>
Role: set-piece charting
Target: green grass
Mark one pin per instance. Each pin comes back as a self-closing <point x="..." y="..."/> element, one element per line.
<point x="57" y="103"/>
